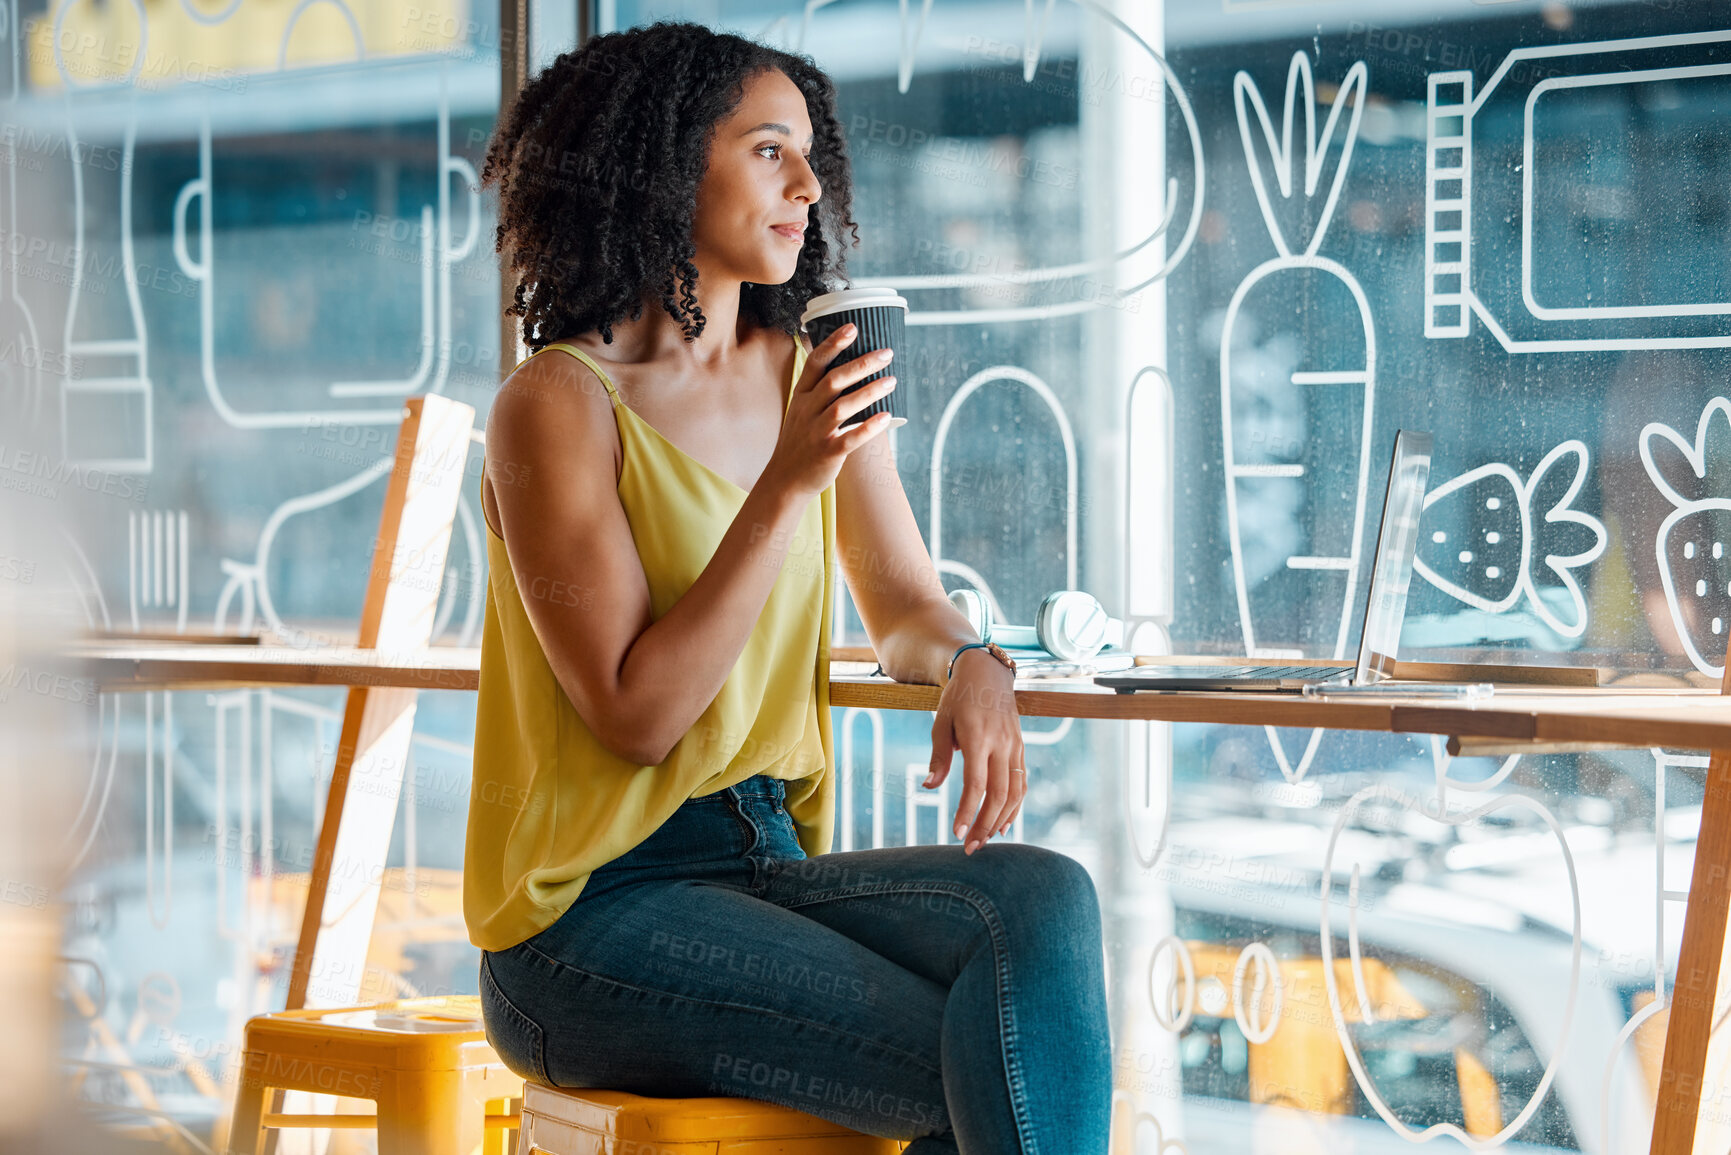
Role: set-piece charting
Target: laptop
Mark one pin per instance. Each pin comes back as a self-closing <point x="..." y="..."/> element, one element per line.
<point x="1384" y="608"/>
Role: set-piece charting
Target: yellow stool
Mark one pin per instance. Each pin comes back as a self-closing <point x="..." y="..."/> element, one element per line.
<point x="439" y="1087"/>
<point x="557" y="1121"/>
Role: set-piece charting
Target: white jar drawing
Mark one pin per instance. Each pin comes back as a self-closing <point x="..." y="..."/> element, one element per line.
<point x="1547" y="261"/>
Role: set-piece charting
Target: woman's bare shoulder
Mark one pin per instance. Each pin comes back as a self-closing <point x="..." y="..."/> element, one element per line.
<point x="552" y="374"/>
<point x="551" y="405"/>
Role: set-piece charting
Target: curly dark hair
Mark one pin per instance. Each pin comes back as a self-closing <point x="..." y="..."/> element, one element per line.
<point x="598" y="164"/>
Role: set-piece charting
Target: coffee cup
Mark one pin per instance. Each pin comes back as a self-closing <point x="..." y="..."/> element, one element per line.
<point x="880" y="315"/>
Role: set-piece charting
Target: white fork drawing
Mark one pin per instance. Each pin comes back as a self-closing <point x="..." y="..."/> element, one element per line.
<point x="156" y="563"/>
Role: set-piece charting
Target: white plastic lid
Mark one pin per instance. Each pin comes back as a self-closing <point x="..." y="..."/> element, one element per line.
<point x="850" y="299"/>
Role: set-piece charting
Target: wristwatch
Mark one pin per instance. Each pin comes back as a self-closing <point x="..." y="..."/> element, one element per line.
<point x="991" y="648"/>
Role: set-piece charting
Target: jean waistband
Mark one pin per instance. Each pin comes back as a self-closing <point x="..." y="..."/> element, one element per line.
<point x="760" y="785"/>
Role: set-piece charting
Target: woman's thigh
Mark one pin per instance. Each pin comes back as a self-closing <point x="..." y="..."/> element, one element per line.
<point x="929" y="908"/>
<point x="683" y="987"/>
<point x="1013" y="933"/>
<point x="822" y="983"/>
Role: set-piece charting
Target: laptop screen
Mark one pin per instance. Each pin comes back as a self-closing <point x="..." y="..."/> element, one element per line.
<point x="1391" y="565"/>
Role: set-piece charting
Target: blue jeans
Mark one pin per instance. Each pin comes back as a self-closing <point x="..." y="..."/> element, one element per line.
<point x="912" y="992"/>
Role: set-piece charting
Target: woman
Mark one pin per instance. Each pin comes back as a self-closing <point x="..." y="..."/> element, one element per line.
<point x="647" y="868"/>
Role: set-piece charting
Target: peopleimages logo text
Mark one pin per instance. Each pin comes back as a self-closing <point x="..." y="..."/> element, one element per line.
<point x="59" y="471"/>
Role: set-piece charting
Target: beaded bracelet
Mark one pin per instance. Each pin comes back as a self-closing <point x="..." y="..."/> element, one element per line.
<point x="991" y="648"/>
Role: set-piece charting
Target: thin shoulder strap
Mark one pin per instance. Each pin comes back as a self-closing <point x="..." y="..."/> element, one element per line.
<point x="798" y="367"/>
<point x="587" y="360"/>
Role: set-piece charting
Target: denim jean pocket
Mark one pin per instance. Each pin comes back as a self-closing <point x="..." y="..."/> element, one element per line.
<point x="513" y="1035"/>
<point x="779" y="837"/>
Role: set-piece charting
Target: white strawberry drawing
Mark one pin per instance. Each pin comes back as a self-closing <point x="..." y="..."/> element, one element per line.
<point x="1690" y="544"/>
<point x="1504" y="550"/>
<point x="1482" y="565"/>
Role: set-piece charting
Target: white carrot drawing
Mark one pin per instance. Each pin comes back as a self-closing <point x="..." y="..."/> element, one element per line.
<point x="1259" y="467"/>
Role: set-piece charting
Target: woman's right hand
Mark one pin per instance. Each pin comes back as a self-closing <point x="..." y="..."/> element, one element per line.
<point x="812" y="446"/>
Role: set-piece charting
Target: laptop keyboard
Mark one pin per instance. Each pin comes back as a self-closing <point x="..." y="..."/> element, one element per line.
<point x="1261" y="673"/>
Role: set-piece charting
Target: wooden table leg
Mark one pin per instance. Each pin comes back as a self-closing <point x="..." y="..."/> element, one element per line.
<point x="1695" y="997"/>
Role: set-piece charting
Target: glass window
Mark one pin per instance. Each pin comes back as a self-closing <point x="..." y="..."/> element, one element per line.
<point x="1292" y="229"/>
<point x="1177" y="274"/>
<point x="239" y="235"/>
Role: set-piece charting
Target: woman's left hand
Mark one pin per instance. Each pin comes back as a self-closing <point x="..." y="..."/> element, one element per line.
<point x="977" y="715"/>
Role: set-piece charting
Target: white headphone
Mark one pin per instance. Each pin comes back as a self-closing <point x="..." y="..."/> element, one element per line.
<point x="1069" y="624"/>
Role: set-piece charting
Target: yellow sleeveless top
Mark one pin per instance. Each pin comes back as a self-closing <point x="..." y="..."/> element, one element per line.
<point x="549" y="803"/>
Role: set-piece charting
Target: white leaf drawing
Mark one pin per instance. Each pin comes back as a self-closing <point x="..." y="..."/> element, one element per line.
<point x="1352" y="91"/>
